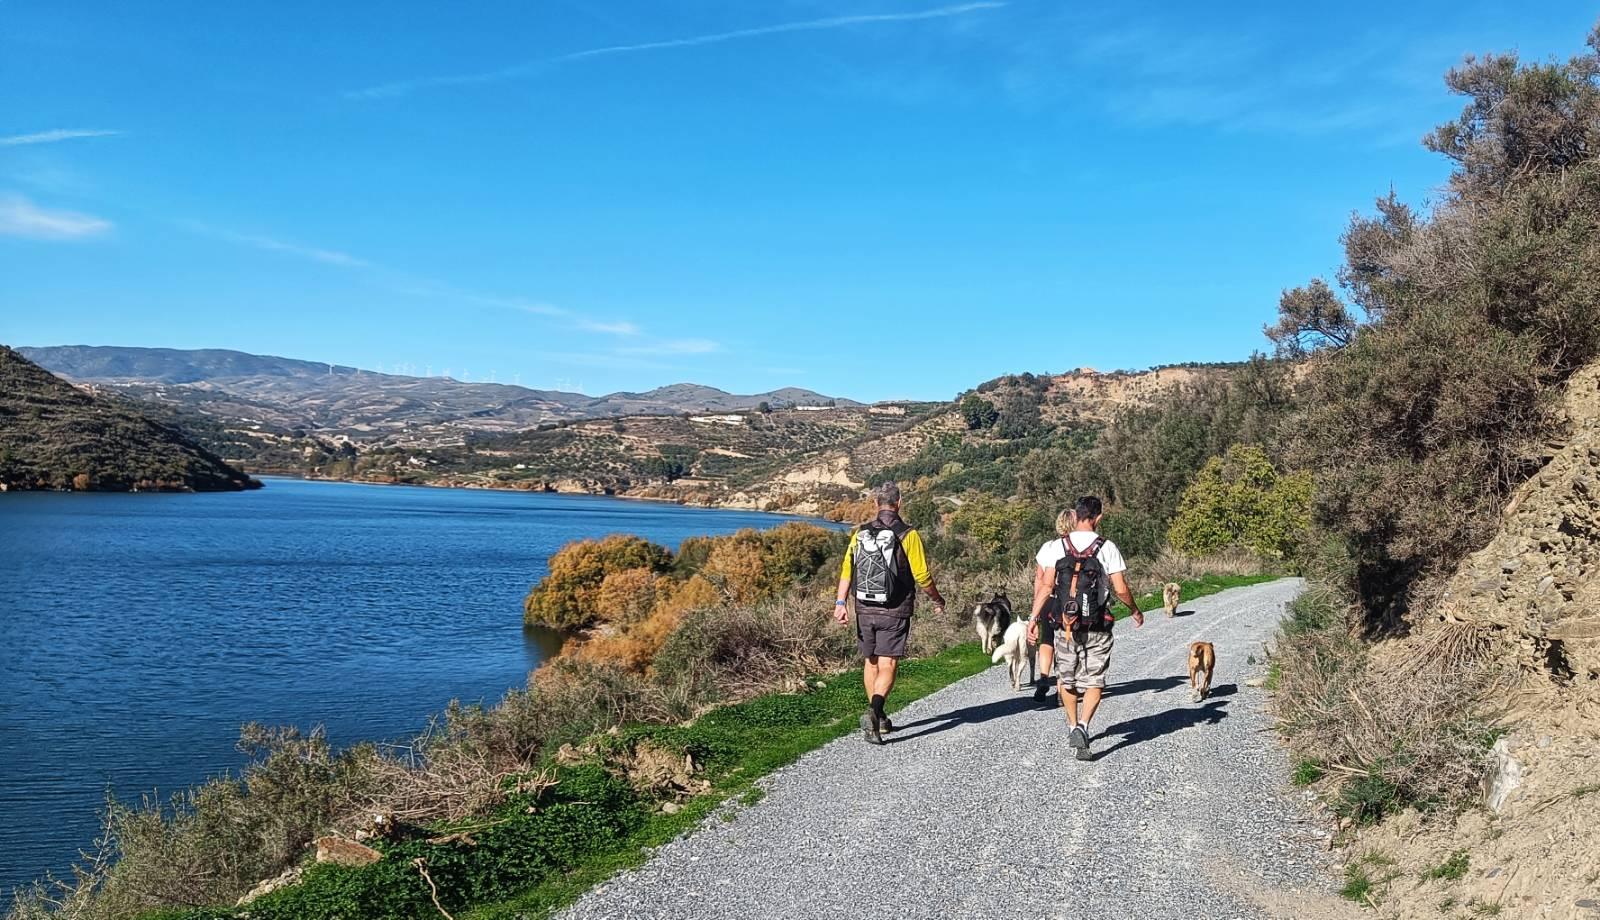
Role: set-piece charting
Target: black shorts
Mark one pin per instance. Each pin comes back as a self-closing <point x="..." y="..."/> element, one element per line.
<point x="881" y="634"/>
<point x="1047" y="631"/>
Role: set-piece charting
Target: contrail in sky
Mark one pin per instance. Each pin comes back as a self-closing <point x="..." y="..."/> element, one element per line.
<point x="525" y="68"/>
<point x="54" y="136"/>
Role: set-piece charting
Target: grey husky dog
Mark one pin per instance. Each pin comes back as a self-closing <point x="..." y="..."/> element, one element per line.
<point x="990" y="619"/>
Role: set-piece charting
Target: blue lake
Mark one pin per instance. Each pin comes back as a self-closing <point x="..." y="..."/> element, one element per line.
<point x="138" y="632"/>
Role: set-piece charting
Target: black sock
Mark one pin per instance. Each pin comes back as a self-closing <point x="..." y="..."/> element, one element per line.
<point x="877" y="705"/>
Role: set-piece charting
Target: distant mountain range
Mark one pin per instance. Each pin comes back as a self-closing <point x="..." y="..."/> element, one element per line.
<point x="55" y="436"/>
<point x="288" y="394"/>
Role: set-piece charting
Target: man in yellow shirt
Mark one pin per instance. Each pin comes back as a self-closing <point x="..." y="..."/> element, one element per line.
<point x="883" y="567"/>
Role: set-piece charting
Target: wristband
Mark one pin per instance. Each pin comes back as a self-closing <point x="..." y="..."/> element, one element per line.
<point x="838" y="603"/>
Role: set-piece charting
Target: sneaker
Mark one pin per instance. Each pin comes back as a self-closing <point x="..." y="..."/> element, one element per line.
<point x="869" y="728"/>
<point x="884" y="725"/>
<point x="1080" y="740"/>
<point x="1040" y="688"/>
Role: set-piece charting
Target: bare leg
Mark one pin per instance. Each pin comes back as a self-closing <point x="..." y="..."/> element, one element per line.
<point x="869" y="675"/>
<point x="1091" y="702"/>
<point x="883" y="677"/>
<point x="1069" y="703"/>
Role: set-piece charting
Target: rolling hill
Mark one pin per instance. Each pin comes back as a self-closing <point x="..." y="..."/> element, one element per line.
<point x="338" y="400"/>
<point x="55" y="436"/>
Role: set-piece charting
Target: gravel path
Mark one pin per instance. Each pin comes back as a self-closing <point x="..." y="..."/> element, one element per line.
<point x="1185" y="812"/>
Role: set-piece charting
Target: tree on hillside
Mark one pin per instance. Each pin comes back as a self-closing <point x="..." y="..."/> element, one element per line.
<point x="1018" y="416"/>
<point x="1419" y="428"/>
<point x="1240" y="499"/>
<point x="977" y="412"/>
<point x="1310" y="318"/>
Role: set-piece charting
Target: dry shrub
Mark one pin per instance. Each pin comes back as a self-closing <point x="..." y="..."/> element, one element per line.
<point x="627" y="596"/>
<point x="852" y="510"/>
<point x="727" y="653"/>
<point x="211" y="843"/>
<point x="1395" y="726"/>
<point x="655" y="771"/>
<point x="1171" y="565"/>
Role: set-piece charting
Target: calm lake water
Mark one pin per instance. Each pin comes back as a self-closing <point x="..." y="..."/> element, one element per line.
<point x="138" y="632"/>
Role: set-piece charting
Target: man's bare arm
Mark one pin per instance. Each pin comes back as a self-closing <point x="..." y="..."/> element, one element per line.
<point x="1119" y="584"/>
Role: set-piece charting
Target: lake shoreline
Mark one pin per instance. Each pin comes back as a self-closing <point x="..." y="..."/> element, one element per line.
<point x="548" y="489"/>
<point x="311" y="602"/>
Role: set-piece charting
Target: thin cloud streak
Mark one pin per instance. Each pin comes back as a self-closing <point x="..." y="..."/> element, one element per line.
<point x="414" y="286"/>
<point x="674" y="347"/>
<point x="54" y="136"/>
<point x="404" y="87"/>
<point x="621" y="327"/>
<point x="22" y="218"/>
<point x="316" y="254"/>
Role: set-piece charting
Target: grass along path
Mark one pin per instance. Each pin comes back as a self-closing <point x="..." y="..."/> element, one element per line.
<point x="766" y="746"/>
<point x="544" y="849"/>
<point x="1184" y="811"/>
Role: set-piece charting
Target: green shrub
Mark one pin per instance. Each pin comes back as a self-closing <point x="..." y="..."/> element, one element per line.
<point x="1368" y="798"/>
<point x="977" y="412"/>
<point x="1240" y="499"/>
<point x="1452" y="869"/>
<point x="1419" y="424"/>
<point x="1307" y="772"/>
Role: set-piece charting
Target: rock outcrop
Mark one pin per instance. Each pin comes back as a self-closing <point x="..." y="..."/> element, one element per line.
<point x="1535" y="589"/>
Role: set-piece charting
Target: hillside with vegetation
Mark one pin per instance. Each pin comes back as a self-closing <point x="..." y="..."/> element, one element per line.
<point x="275" y="397"/>
<point x="55" y="436"/>
<point x="1421" y="446"/>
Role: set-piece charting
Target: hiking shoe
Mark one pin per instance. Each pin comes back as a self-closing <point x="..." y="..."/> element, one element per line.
<point x="1079" y="739"/>
<point x="884" y="725"/>
<point x="870" y="729"/>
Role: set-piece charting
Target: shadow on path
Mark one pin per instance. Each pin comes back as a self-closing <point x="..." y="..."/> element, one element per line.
<point x="1153" y="726"/>
<point x="968" y="715"/>
<point x="1146" y="685"/>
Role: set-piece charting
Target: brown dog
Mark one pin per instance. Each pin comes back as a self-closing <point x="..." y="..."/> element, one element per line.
<point x="1202" y="660"/>
<point x="1169" y="597"/>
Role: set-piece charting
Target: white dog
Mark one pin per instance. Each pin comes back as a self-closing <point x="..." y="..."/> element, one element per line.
<point x="1016" y="651"/>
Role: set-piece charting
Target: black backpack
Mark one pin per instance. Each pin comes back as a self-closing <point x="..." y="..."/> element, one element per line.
<point x="1081" y="601"/>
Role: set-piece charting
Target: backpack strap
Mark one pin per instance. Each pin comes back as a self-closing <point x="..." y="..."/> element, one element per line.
<point x="1092" y="549"/>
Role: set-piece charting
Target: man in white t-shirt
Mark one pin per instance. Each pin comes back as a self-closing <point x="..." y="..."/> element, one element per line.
<point x="1082" y="656"/>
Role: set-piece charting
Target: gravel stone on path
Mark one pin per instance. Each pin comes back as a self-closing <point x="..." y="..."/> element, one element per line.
<point x="977" y="809"/>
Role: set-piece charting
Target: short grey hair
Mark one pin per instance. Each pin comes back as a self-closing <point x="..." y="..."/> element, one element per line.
<point x="887" y="494"/>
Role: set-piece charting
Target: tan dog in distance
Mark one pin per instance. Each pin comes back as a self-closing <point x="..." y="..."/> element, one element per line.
<point x="1169" y="597"/>
<point x="1202" y="660"/>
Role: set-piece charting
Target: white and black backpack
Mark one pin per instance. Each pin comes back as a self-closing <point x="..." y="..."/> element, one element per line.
<point x="875" y="563"/>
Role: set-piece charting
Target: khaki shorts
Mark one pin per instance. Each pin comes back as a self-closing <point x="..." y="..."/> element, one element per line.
<point x="1082" y="666"/>
<point x="881" y="634"/>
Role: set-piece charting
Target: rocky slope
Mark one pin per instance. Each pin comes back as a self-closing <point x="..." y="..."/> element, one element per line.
<point x="54" y="436"/>
<point x="1529" y="600"/>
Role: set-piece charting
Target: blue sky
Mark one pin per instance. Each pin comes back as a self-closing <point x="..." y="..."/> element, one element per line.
<point x="876" y="198"/>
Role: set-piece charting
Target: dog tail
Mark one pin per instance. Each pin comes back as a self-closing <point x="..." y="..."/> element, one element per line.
<point x="1005" y="648"/>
